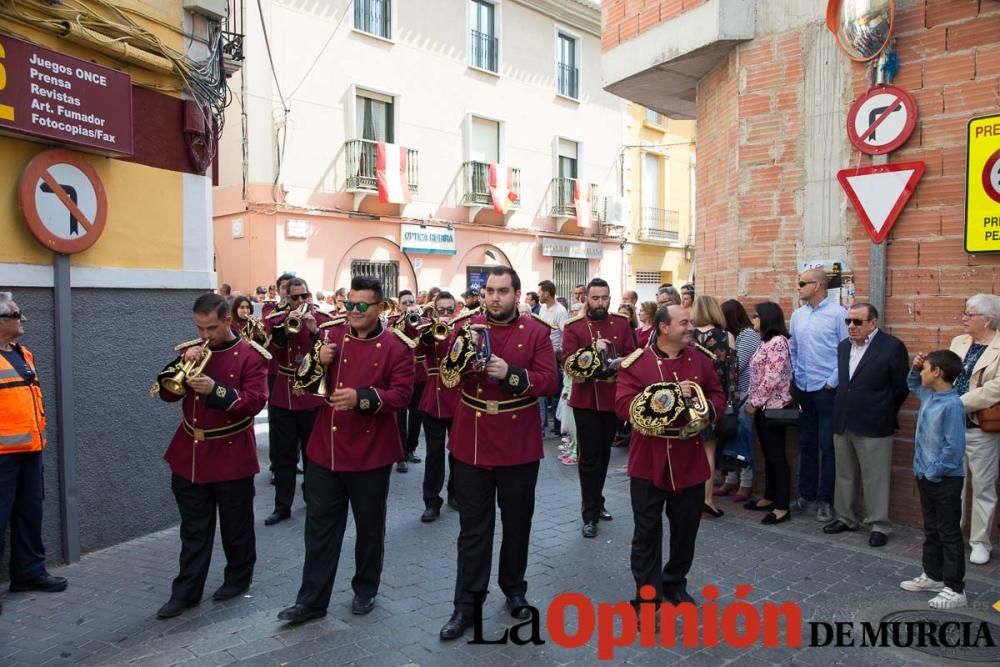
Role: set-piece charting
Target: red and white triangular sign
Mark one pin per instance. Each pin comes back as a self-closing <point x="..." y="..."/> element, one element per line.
<point x="880" y="192"/>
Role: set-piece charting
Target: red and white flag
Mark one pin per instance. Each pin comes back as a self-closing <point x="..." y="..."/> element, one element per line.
<point x="581" y="200"/>
<point x="501" y="182"/>
<point x="390" y="172"/>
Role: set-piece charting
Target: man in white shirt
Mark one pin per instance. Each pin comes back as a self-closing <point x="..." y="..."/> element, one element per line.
<point x="555" y="314"/>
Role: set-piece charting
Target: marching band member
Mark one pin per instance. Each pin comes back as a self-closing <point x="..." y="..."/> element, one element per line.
<point x="667" y="465"/>
<point x="410" y="418"/>
<point x="368" y="370"/>
<point x="213" y="454"/>
<point x="291" y="413"/>
<point x="245" y="325"/>
<point x="594" y="344"/>
<point x="496" y="439"/>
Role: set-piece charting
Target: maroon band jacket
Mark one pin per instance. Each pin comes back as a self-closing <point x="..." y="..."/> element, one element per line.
<point x="437" y="400"/>
<point x="582" y="331"/>
<point x="288" y="350"/>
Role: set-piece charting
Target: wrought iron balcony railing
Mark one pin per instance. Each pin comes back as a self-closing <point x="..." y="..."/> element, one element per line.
<point x="232" y="38"/>
<point x="484" y="50"/>
<point x="476" y="176"/>
<point x="659" y="224"/>
<point x="564" y="200"/>
<point x="568" y="80"/>
<point x="362" y="155"/>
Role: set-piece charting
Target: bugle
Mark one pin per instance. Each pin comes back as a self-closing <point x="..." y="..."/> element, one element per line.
<point x="188" y="369"/>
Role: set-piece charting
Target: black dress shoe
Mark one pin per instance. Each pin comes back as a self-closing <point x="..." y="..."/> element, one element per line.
<point x="755" y="505"/>
<point x="677" y="597"/>
<point x="837" y="526"/>
<point x="711" y="511"/>
<point x="44" y="584"/>
<point x="362" y="604"/>
<point x="430" y="514"/>
<point x="456" y="626"/>
<point x="227" y="592"/>
<point x="605" y="515"/>
<point x="415" y="459"/>
<point x="174" y="608"/>
<point x="276" y="517"/>
<point x="589" y="529"/>
<point x="453" y="503"/>
<point x="300" y="614"/>
<point x="771" y="518"/>
<point x="877" y="539"/>
<point x="401" y="466"/>
<point x="517" y="606"/>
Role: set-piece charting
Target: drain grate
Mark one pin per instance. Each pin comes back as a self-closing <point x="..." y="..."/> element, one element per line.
<point x="905" y="623"/>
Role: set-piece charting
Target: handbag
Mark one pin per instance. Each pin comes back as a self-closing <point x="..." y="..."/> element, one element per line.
<point x="989" y="419"/>
<point x="728" y="425"/>
<point x="788" y="415"/>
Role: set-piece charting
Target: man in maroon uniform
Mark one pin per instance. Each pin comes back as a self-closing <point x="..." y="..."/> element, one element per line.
<point x="437" y="404"/>
<point x="274" y="309"/>
<point x="410" y="419"/>
<point x="593" y="398"/>
<point x="369" y="373"/>
<point x="496" y="439"/>
<point x="667" y="472"/>
<point x="291" y="413"/>
<point x="213" y="455"/>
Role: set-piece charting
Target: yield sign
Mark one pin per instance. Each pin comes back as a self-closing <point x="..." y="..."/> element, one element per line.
<point x="880" y="192"/>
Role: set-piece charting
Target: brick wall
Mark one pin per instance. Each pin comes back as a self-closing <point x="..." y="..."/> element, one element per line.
<point x="622" y="20"/>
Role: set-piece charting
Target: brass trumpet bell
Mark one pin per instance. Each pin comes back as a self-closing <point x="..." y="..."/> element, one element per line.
<point x="189" y="369"/>
<point x="293" y="323"/>
<point x="440" y="330"/>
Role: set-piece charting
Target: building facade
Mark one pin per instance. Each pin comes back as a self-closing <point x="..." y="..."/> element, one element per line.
<point x="127" y="117"/>
<point x="468" y="91"/>
<point x="659" y="186"/>
<point x="770" y="90"/>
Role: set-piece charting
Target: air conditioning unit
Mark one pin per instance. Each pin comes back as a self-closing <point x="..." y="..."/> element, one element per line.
<point x="616" y="211"/>
<point x="217" y="10"/>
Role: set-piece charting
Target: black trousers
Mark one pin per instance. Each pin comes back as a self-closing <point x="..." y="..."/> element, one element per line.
<point x="595" y="431"/>
<point x="22" y="491"/>
<point x="328" y="494"/>
<point x="198" y="505"/>
<point x="436" y="433"/>
<point x="288" y="435"/>
<point x="777" y="474"/>
<point x="683" y="509"/>
<point x="944" y="547"/>
<point x="409" y="421"/>
<point x="479" y="491"/>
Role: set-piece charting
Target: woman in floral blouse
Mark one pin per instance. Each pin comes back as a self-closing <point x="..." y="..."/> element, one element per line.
<point x="770" y="388"/>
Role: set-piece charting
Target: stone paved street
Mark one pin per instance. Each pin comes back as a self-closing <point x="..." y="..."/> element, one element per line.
<point x="107" y="616"/>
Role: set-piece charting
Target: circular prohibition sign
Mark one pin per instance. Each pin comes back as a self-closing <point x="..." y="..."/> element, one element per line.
<point x="991" y="176"/>
<point x="63" y="201"/>
<point x="881" y="119"/>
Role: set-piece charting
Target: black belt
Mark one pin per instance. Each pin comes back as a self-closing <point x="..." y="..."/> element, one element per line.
<point x="216" y="433"/>
<point x="496" y="407"/>
<point x="286" y="370"/>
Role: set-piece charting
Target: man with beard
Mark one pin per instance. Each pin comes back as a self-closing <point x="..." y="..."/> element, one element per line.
<point x="472" y="301"/>
<point x="667" y="471"/>
<point x="410" y="419"/>
<point x="593" y="345"/>
<point x="496" y="439"/>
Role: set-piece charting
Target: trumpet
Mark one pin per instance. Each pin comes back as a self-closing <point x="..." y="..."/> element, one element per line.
<point x="253" y="331"/>
<point x="469" y="353"/>
<point x="188" y="369"/>
<point x="440" y="330"/>
<point x="293" y="323"/>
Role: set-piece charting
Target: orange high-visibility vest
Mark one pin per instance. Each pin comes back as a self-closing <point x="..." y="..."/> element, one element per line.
<point x="22" y="417"/>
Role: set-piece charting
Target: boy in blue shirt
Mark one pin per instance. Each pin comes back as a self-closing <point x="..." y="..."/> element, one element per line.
<point x="939" y="448"/>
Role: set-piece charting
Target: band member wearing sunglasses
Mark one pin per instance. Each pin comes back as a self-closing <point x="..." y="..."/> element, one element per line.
<point x="592" y="397"/>
<point x="291" y="413"/>
<point x="437" y="405"/>
<point x="410" y="419"/>
<point x="369" y="375"/>
<point x="213" y="454"/>
<point x="22" y="434"/>
<point x="496" y="439"/>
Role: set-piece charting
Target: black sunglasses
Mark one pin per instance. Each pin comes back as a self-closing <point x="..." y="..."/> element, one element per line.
<point x="803" y="283"/>
<point x="360" y="306"/>
<point x="856" y="322"/>
<point x="445" y="311"/>
<point x="298" y="297"/>
<point x="16" y="315"/>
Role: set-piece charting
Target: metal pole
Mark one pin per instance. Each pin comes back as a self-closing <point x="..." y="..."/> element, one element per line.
<point x="69" y="504"/>
<point x="877" y="251"/>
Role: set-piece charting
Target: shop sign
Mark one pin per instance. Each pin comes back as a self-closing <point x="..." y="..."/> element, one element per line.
<point x="570" y="248"/>
<point x="427" y="240"/>
<point x="47" y="94"/>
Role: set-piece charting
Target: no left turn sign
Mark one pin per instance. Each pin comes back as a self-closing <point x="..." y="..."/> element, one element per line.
<point x="63" y="201"/>
<point x="881" y="120"/>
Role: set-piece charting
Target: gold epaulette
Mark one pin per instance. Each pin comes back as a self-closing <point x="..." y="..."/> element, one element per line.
<point x="260" y="349"/>
<point x="276" y="312"/>
<point x="711" y="355"/>
<point x="574" y="319"/>
<point x="630" y="359"/>
<point x="187" y="344"/>
<point x="334" y="322"/>
<point x="611" y="312"/>
<point x="546" y="323"/>
<point x="465" y="314"/>
<point x="406" y="339"/>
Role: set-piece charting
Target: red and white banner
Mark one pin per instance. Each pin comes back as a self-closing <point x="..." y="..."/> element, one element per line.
<point x="390" y="172"/>
<point x="501" y="182"/>
<point x="581" y="200"/>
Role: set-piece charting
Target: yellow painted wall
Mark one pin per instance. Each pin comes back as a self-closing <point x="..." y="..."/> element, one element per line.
<point x="145" y="214"/>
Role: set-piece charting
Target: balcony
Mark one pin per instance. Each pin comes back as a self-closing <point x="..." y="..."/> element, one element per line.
<point x="568" y="80"/>
<point x="660" y="225"/>
<point x="563" y="201"/>
<point x="232" y="39"/>
<point x="476" y="177"/>
<point x="484" y="51"/>
<point x="362" y="155"/>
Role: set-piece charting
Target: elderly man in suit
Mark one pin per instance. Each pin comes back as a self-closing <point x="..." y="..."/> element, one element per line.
<point x="872" y="367"/>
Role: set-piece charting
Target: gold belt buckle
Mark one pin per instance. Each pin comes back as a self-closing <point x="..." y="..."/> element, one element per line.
<point x="492" y="407"/>
<point x="198" y="433"/>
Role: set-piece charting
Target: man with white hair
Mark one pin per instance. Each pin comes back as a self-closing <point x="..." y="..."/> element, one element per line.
<point x="979" y="387"/>
<point x="22" y="439"/>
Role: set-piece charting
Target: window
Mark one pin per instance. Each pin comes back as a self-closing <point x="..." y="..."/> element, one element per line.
<point x="484" y="48"/>
<point x="653" y="117"/>
<point x="374" y="116"/>
<point x="568" y="273"/>
<point x="567" y="69"/>
<point x="568" y="151"/>
<point x="484" y="140"/>
<point x="387" y="272"/>
<point x="374" y="17"/>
